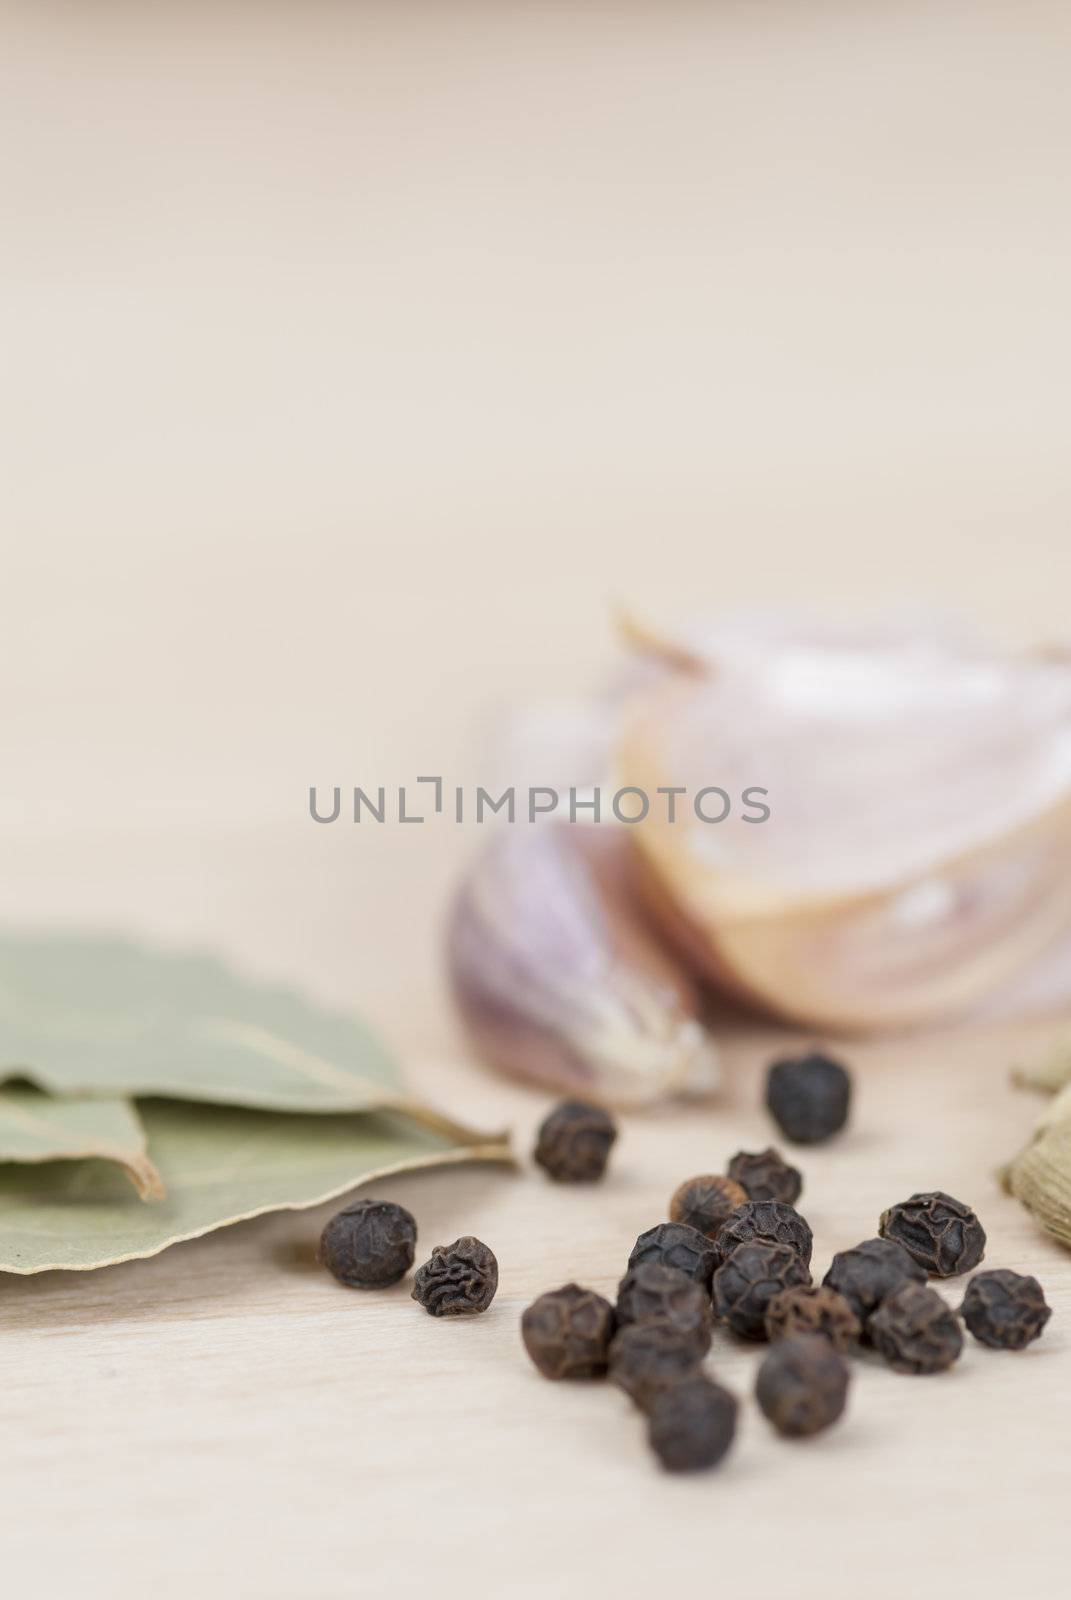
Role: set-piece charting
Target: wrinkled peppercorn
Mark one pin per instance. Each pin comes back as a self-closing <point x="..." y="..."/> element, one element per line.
<point x="656" y="1293"/>
<point x="769" y="1220"/>
<point x="574" y="1141"/>
<point x="808" y="1097"/>
<point x="766" y="1175"/>
<point x="567" y="1332"/>
<point x="745" y="1284"/>
<point x="691" y="1424"/>
<point x="706" y="1203"/>
<point x="915" y="1331"/>
<point x="867" y="1273"/>
<point x="1005" y="1310"/>
<point x="646" y="1356"/>
<point x="458" y="1279"/>
<point x="802" y="1385"/>
<point x="674" y="1244"/>
<point x="370" y="1244"/>
<point x="809" y="1308"/>
<point x="943" y="1235"/>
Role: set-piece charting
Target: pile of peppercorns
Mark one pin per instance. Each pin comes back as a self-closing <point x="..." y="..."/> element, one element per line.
<point x="735" y="1248"/>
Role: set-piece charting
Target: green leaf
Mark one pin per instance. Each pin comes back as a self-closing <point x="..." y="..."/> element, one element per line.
<point x="34" y="1127"/>
<point x="107" y="1017"/>
<point x="221" y="1165"/>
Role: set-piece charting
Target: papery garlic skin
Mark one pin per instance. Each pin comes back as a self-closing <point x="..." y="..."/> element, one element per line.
<point x="558" y="979"/>
<point x="918" y="855"/>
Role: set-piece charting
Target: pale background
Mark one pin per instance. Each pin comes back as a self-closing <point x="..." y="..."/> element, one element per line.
<point x="357" y="361"/>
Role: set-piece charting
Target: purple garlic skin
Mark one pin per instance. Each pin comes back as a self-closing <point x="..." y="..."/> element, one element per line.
<point x="916" y="864"/>
<point x="558" y="978"/>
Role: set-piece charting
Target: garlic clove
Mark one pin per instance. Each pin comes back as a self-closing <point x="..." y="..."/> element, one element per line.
<point x="918" y="855"/>
<point x="559" y="980"/>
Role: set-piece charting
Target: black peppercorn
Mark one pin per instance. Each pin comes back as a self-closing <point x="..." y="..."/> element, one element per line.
<point x="574" y="1141"/>
<point x="370" y="1244"/>
<point x="567" y="1332"/>
<point x="691" y="1424"/>
<point x="766" y="1175"/>
<point x="867" y="1273"/>
<point x="656" y="1293"/>
<point x="674" y="1244"/>
<point x="1005" y="1310"/>
<point x="745" y="1284"/>
<point x="808" y="1097"/>
<point x="802" y="1385"/>
<point x="769" y="1220"/>
<point x="915" y="1331"/>
<point x="810" y="1308"/>
<point x="706" y="1203"/>
<point x="943" y="1235"/>
<point x="646" y="1356"/>
<point x="459" y="1278"/>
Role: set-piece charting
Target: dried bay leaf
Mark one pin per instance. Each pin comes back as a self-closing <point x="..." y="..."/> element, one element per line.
<point x="35" y="1127"/>
<point x="221" y="1165"/>
<point x="98" y="1019"/>
<point x="84" y="1015"/>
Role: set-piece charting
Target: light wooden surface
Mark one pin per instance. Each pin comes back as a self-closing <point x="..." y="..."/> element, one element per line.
<point x="361" y="356"/>
<point x="225" y="1419"/>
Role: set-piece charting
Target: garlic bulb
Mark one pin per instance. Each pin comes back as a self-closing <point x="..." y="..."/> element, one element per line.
<point x="558" y="979"/>
<point x="918" y="851"/>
